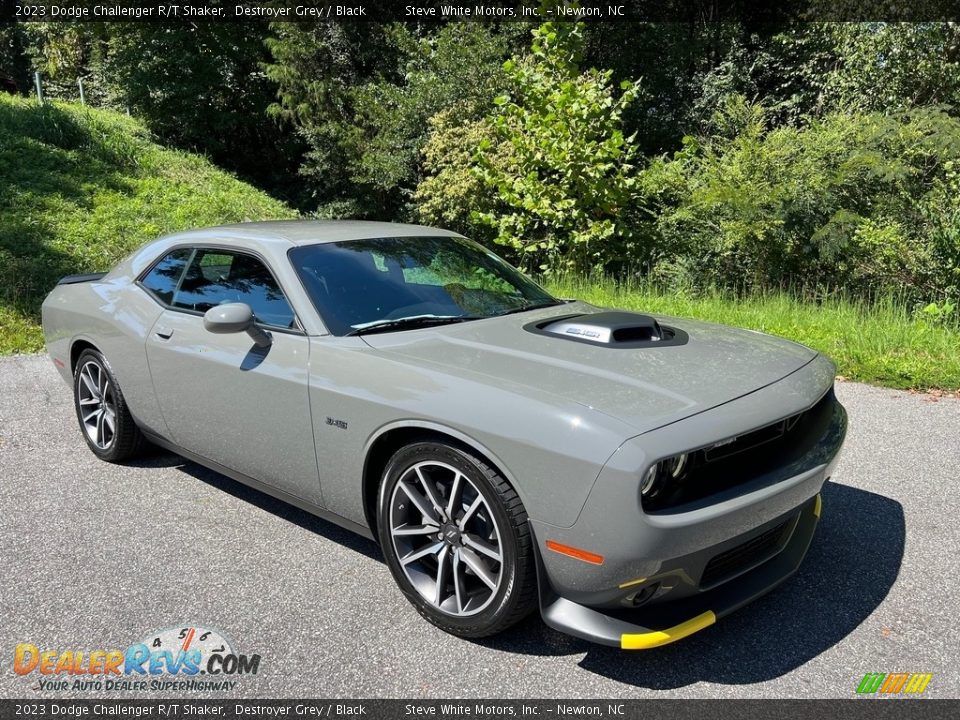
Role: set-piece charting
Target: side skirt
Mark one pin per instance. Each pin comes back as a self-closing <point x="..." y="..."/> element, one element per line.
<point x="309" y="507"/>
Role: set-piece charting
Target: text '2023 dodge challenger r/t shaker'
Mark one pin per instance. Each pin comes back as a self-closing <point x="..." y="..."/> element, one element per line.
<point x="638" y="477"/>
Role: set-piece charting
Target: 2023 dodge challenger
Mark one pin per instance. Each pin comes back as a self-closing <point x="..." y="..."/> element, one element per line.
<point x="637" y="476"/>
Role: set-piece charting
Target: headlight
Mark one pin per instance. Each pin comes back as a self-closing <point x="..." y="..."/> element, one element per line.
<point x="649" y="481"/>
<point x="677" y="465"/>
<point x="661" y="475"/>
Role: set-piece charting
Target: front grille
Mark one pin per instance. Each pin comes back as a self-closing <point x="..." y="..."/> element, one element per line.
<point x="743" y="557"/>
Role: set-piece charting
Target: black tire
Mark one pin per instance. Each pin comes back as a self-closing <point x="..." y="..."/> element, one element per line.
<point x="125" y="441"/>
<point x="516" y="593"/>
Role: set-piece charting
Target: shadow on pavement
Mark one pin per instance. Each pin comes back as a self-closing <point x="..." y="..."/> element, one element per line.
<point x="852" y="564"/>
<point x="266" y="502"/>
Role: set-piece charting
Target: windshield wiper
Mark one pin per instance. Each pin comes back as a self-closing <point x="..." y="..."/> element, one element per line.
<point x="532" y="306"/>
<point x="409" y="323"/>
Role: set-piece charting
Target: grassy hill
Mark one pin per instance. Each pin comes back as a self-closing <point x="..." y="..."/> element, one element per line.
<point x="80" y="188"/>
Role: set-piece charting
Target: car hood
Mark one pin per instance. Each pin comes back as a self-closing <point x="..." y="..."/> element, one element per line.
<point x="645" y="388"/>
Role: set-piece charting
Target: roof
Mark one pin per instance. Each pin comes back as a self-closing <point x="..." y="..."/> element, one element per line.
<point x="311" y="232"/>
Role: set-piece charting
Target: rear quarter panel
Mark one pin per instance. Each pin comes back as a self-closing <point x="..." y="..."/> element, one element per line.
<point x="114" y="316"/>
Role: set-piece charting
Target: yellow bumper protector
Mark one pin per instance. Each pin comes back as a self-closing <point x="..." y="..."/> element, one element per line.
<point x="645" y="641"/>
<point x="817" y="505"/>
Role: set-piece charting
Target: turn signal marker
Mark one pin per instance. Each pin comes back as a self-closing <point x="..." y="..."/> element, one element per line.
<point x="573" y="552"/>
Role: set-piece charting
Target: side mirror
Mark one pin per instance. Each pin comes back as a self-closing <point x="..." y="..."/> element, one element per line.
<point x="234" y="318"/>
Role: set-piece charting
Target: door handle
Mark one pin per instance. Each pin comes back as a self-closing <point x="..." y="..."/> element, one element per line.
<point x="164" y="333"/>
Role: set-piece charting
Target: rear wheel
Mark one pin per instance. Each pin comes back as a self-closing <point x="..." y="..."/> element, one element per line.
<point x="456" y="540"/>
<point x="105" y="421"/>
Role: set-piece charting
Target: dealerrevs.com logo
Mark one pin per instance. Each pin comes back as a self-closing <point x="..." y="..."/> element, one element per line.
<point x="176" y="659"/>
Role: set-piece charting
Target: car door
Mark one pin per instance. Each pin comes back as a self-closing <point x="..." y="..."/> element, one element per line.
<point x="222" y="396"/>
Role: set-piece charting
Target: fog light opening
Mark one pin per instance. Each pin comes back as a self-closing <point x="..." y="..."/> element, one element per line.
<point x="644" y="595"/>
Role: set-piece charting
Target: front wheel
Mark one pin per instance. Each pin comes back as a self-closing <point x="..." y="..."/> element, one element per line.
<point x="456" y="540"/>
<point x="108" y="427"/>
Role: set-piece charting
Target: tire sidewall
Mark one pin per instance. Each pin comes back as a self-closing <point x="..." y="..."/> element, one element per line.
<point x="502" y="602"/>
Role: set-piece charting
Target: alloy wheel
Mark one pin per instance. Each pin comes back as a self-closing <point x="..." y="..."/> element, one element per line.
<point x="446" y="538"/>
<point x="98" y="407"/>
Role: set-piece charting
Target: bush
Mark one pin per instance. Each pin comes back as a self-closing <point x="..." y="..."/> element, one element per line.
<point x="852" y="200"/>
<point x="560" y="165"/>
<point x="452" y="191"/>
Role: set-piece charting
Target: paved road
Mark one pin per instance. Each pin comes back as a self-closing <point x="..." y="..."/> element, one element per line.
<point x="95" y="555"/>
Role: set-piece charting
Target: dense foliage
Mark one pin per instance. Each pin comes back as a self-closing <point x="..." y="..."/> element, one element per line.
<point x="558" y="160"/>
<point x="728" y="154"/>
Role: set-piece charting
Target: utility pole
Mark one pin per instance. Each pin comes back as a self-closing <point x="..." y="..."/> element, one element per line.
<point x="36" y="81"/>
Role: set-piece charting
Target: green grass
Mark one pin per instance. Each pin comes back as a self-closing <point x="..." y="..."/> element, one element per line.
<point x="882" y="342"/>
<point x="80" y="188"/>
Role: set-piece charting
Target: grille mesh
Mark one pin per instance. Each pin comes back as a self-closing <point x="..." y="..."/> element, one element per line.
<point x="743" y="556"/>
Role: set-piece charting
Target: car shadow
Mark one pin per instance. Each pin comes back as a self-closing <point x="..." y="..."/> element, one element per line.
<point x="850" y="568"/>
<point x="270" y="504"/>
<point x="852" y="564"/>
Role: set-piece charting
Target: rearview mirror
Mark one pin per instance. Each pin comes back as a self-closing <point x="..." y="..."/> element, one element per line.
<point x="234" y="318"/>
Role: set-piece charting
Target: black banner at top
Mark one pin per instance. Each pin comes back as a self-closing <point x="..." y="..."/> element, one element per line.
<point x="535" y="11"/>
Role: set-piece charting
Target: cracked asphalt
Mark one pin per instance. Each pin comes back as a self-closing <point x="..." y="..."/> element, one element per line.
<point x="94" y="555"/>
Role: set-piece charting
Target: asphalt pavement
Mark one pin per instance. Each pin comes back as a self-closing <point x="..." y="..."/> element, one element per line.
<point x="94" y="555"/>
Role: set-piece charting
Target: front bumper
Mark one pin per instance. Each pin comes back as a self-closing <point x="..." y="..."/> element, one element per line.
<point x="656" y="625"/>
<point x="648" y="572"/>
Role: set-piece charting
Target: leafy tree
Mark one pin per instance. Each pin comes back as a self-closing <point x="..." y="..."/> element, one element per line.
<point x="882" y="66"/>
<point x="452" y="192"/>
<point x="568" y="184"/>
<point x="201" y="86"/>
<point x="843" y="200"/>
<point x="457" y="66"/>
<point x="362" y="95"/>
<point x="14" y="63"/>
<point x="64" y="52"/>
<point x="316" y="67"/>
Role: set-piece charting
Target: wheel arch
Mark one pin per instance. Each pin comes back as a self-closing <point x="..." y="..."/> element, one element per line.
<point x="76" y="350"/>
<point x="383" y="444"/>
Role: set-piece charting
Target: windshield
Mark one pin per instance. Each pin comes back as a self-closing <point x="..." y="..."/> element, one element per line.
<point x="360" y="284"/>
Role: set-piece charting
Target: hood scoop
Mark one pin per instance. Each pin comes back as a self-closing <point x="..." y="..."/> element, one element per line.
<point x="611" y="329"/>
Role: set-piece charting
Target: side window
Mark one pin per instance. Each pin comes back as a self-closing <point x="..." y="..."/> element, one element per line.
<point x="215" y="277"/>
<point x="162" y="281"/>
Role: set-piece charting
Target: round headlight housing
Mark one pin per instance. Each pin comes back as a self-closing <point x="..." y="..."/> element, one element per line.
<point x="677" y="465"/>
<point x="650" y="480"/>
<point x="663" y="474"/>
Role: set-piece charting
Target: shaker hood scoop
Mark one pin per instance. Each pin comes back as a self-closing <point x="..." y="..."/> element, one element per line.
<point x="613" y="329"/>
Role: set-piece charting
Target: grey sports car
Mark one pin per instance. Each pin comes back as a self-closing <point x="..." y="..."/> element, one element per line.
<point x="638" y="477"/>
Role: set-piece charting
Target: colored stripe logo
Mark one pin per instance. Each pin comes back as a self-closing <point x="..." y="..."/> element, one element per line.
<point x="894" y="683"/>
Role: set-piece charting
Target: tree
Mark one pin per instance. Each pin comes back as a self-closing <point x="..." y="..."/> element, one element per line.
<point x="202" y="87"/>
<point x="64" y="52"/>
<point x="14" y="63"/>
<point x="452" y="192"/>
<point x="362" y="95"/>
<point x="568" y="182"/>
<point x="316" y="67"/>
<point x="458" y="66"/>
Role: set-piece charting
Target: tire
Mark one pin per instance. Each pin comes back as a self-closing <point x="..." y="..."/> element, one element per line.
<point x="478" y="595"/>
<point x="97" y="399"/>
